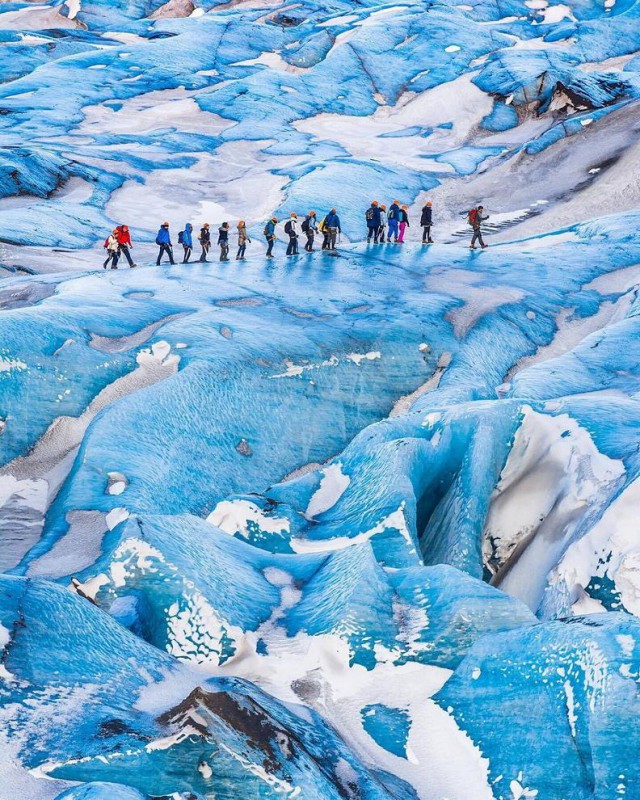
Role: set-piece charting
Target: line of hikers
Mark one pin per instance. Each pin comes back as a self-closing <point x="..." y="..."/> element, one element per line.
<point x="382" y="226"/>
<point x="395" y="221"/>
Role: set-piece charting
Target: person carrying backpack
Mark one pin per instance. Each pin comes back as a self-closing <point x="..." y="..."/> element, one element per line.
<point x="223" y="241"/>
<point x="309" y="228"/>
<point x="185" y="238"/>
<point x="332" y="223"/>
<point x="291" y="229"/>
<point x="113" y="250"/>
<point x="270" y="235"/>
<point x="324" y="230"/>
<point x="403" y="223"/>
<point x="243" y="238"/>
<point x="124" y="243"/>
<point x="373" y="219"/>
<point x="383" y="223"/>
<point x="205" y="240"/>
<point x="163" y="240"/>
<point x="394" y="219"/>
<point x="426" y="220"/>
<point x="475" y="218"/>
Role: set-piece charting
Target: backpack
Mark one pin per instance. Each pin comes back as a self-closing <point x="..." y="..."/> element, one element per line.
<point x="393" y="213"/>
<point x="288" y="229"/>
<point x="181" y="237"/>
<point x="369" y="214"/>
<point x="106" y="242"/>
<point x="472" y="216"/>
<point x="158" y="242"/>
<point x="305" y="225"/>
<point x="266" y="230"/>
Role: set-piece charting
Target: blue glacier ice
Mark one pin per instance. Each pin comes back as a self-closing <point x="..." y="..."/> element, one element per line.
<point x="351" y="526"/>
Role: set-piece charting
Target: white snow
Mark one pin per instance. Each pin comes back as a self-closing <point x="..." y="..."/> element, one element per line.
<point x="234" y="516"/>
<point x="571" y="706"/>
<point x="73" y="7"/>
<point x="459" y="101"/>
<point x="295" y="370"/>
<point x="610" y="548"/>
<point x="358" y="358"/>
<point x="554" y="14"/>
<point x="395" y="520"/>
<point x="333" y="485"/>
<point x="116" y="516"/>
<point x="553" y="474"/>
<point x="8" y="364"/>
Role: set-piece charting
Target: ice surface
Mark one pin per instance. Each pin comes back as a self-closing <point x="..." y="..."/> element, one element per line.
<point x="359" y="527"/>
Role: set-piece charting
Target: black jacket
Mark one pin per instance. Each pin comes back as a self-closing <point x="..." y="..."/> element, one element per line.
<point x="205" y="235"/>
<point x="427" y="216"/>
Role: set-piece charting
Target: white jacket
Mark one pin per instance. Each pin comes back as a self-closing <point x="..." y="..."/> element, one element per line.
<point x="112" y="243"/>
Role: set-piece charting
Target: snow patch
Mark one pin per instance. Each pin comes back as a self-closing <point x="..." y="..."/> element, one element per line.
<point x="333" y="485"/>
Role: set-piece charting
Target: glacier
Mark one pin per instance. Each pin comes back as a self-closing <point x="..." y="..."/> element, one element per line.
<point x="352" y="526"/>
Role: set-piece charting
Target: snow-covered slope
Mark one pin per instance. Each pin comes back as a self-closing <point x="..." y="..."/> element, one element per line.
<point x="355" y="527"/>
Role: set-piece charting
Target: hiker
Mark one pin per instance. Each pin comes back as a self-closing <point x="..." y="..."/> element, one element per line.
<point x="394" y="218"/>
<point x="426" y="220"/>
<point x="309" y="228"/>
<point x="113" y="249"/>
<point x="185" y="238"/>
<point x="291" y="229"/>
<point x="205" y="240"/>
<point x="324" y="230"/>
<point x="332" y="222"/>
<point x="383" y="223"/>
<point x="404" y="223"/>
<point x="223" y="241"/>
<point x="270" y="235"/>
<point x="163" y="240"/>
<point x="243" y="238"/>
<point x="124" y="243"/>
<point x="475" y="218"/>
<point x="373" y="218"/>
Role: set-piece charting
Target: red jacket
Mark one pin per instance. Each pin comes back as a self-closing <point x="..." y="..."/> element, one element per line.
<point x="124" y="237"/>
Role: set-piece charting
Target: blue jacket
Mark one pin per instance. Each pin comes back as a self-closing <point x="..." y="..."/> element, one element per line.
<point x="394" y="211"/>
<point x="187" y="239"/>
<point x="332" y="220"/>
<point x="376" y="219"/>
<point x="270" y="228"/>
<point x="163" y="237"/>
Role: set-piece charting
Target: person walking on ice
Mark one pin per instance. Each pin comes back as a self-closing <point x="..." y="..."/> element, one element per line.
<point x="324" y="230"/>
<point x="243" y="238"/>
<point x="373" y="219"/>
<point x="124" y="243"/>
<point x="332" y="224"/>
<point x="291" y="229"/>
<point x="163" y="240"/>
<point x="205" y="241"/>
<point x="223" y="241"/>
<point x="426" y="220"/>
<point x="475" y="218"/>
<point x="185" y="238"/>
<point x="270" y="235"/>
<point x="309" y="228"/>
<point x="403" y="223"/>
<point x="113" y="250"/>
<point x="383" y="224"/>
<point x="394" y="218"/>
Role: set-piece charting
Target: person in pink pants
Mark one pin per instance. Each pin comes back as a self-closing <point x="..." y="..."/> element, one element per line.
<point x="404" y="223"/>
